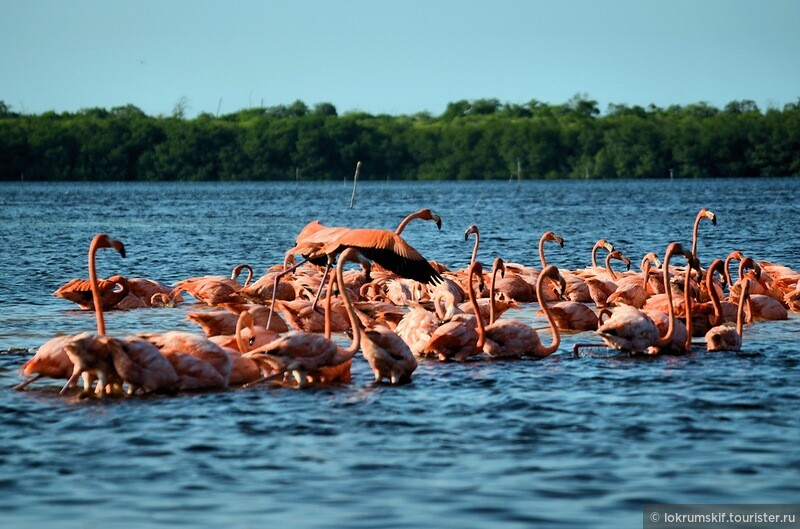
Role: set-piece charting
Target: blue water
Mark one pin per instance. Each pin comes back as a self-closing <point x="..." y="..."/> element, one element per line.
<point x="563" y="442"/>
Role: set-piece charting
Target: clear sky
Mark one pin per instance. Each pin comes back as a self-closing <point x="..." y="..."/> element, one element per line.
<point x="394" y="57"/>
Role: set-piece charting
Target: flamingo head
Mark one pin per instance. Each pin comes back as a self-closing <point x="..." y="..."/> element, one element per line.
<point x="707" y="213"/>
<point x="472" y="229"/>
<point x="101" y="240"/>
<point x="550" y="236"/>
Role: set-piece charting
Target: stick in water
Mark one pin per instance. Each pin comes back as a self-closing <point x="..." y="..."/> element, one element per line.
<point x="355" y="183"/>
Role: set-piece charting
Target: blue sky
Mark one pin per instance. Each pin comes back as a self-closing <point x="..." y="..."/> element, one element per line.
<point x="394" y="57"/>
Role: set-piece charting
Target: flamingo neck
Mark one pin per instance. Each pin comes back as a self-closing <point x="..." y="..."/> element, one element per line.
<point x="492" y="302"/>
<point x="245" y="320"/>
<point x="610" y="271"/>
<point x="405" y="222"/>
<point x="727" y="268"/>
<point x="664" y="340"/>
<point x="695" y="230"/>
<point x="541" y="253"/>
<point x="348" y="353"/>
<point x="645" y="273"/>
<point x="476" y="309"/>
<point x="550" y="349"/>
<point x="712" y="291"/>
<point x="98" y="306"/>
<point x="595" y="248"/>
<point x="475" y="248"/>
<point x="687" y="299"/>
<point x="740" y="309"/>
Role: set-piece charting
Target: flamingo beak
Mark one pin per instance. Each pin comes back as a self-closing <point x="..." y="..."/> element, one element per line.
<point x="118" y="246"/>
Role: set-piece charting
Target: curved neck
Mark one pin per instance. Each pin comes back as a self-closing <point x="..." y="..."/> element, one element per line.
<point x="664" y="340"/>
<point x="740" y="309"/>
<point x="245" y="320"/>
<point x="475" y="308"/>
<point x="687" y="299"/>
<point x="541" y="252"/>
<point x="492" y="302"/>
<point x="611" y="272"/>
<point x="716" y="264"/>
<point x="645" y="273"/>
<point x="354" y="324"/>
<point x="98" y="305"/>
<point x="599" y="244"/>
<point x="409" y="218"/>
<point x="596" y="247"/>
<point x="238" y="270"/>
<point x="475" y="248"/>
<point x="732" y="256"/>
<point x="695" y="229"/>
<point x="444" y="304"/>
<point x="550" y="349"/>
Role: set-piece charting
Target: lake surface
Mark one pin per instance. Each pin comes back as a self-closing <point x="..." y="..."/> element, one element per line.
<point x="564" y="442"/>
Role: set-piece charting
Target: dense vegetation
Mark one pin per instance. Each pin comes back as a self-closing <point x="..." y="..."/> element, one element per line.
<point x="479" y="139"/>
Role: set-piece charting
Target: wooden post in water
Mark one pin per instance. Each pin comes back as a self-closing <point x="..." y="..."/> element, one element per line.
<point x="355" y="185"/>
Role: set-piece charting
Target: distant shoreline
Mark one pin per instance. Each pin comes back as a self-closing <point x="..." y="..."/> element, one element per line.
<point x="471" y="140"/>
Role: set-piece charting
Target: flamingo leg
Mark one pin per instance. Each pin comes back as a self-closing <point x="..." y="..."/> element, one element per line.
<point x="72" y="380"/>
<point x="264" y="379"/>
<point x="321" y="283"/>
<point x="275" y="289"/>
<point x="25" y="384"/>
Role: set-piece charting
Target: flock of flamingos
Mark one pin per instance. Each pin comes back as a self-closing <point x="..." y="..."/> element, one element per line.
<point x="399" y="307"/>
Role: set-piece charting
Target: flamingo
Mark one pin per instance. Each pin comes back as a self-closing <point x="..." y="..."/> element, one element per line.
<point x="416" y="328"/>
<point x="601" y="243"/>
<point x="198" y="362"/>
<point x="724" y="311"/>
<point x="514" y="339"/>
<point x="388" y="355"/>
<point x="702" y="214"/>
<point x="222" y="322"/>
<point x="210" y="290"/>
<point x="303" y="353"/>
<point x="602" y="286"/>
<point x="320" y="245"/>
<point x="50" y="359"/>
<point x="464" y="335"/>
<point x="79" y="291"/>
<point x="761" y="306"/>
<point x="110" y="359"/>
<point x="244" y="370"/>
<point x="725" y="337"/>
<point x="238" y="269"/>
<point x="631" y="330"/>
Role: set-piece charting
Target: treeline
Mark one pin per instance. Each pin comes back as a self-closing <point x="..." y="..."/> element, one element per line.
<point x="481" y="139"/>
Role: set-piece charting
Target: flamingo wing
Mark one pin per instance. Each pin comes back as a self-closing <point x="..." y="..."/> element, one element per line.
<point x="388" y="250"/>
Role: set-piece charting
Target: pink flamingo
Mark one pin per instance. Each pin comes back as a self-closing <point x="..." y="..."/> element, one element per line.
<point x="79" y="291"/>
<point x="762" y="307"/>
<point x="50" y="359"/>
<point x="702" y="214"/>
<point x="724" y="337"/>
<point x="631" y="330"/>
<point x="602" y="243"/>
<point x="514" y="339"/>
<point x="388" y="355"/>
<point x="191" y="356"/>
<point x="302" y="353"/>
<point x="464" y="335"/>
